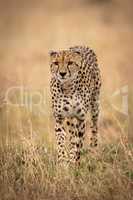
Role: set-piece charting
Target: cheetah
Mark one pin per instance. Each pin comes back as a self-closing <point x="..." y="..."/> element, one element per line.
<point x="75" y="88"/>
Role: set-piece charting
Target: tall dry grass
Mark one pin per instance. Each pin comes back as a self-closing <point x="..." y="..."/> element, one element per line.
<point x="30" y="171"/>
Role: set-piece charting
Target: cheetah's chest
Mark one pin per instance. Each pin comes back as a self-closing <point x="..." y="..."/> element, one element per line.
<point x="71" y="106"/>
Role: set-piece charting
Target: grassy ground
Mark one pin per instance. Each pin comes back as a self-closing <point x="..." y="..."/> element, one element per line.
<point x="29" y="172"/>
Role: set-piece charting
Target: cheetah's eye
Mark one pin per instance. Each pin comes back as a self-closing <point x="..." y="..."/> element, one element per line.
<point x="56" y="63"/>
<point x="70" y="63"/>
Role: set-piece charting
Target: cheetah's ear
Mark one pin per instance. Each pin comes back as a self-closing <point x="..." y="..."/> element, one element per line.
<point x="77" y="55"/>
<point x="77" y="52"/>
<point x="52" y="53"/>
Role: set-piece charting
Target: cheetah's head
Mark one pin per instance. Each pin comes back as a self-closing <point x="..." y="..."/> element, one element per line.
<point x="65" y="64"/>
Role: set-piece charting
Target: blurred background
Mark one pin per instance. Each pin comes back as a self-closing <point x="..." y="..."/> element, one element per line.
<point x="29" y="29"/>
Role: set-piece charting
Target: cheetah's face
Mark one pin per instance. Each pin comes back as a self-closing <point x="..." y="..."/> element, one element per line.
<point x="65" y="64"/>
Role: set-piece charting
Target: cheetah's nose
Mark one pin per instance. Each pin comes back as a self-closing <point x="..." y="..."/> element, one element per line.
<point x="62" y="74"/>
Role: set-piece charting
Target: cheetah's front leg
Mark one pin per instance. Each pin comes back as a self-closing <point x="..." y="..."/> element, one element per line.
<point x="77" y="131"/>
<point x="60" y="138"/>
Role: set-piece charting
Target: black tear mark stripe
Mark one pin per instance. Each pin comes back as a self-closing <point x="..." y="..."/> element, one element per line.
<point x="51" y="66"/>
<point x="68" y="70"/>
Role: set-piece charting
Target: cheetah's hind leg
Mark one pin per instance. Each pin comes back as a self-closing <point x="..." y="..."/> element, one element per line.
<point x="94" y="121"/>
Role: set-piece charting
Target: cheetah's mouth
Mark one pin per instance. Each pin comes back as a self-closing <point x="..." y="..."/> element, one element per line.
<point x="67" y="78"/>
<point x="64" y="79"/>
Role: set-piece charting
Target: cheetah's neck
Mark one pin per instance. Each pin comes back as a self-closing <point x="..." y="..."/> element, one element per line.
<point x="68" y="87"/>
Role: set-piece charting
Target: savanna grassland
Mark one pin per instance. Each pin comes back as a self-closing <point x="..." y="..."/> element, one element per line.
<point x="28" y="31"/>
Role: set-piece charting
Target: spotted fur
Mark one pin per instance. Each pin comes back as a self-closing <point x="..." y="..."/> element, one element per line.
<point x="75" y="88"/>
